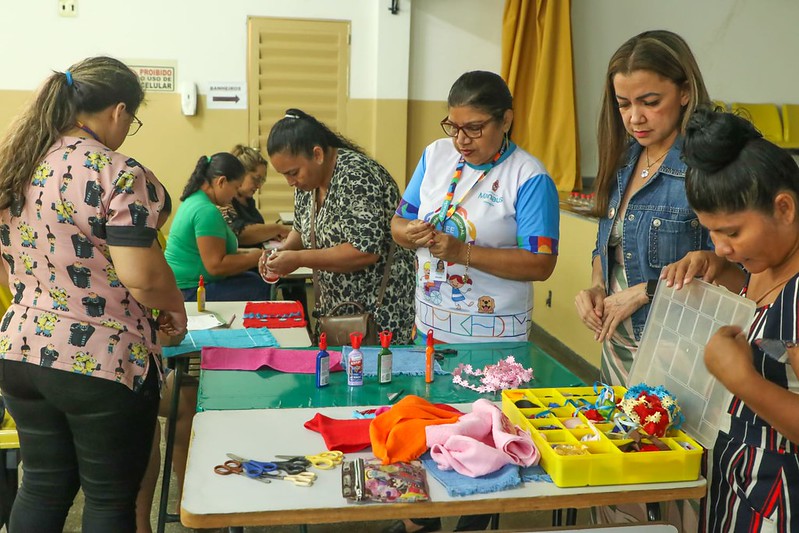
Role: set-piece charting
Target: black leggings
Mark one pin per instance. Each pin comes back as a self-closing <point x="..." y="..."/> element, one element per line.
<point x="78" y="431"/>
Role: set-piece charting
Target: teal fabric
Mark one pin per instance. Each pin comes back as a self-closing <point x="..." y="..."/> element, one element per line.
<point x="404" y="361"/>
<point x="266" y="388"/>
<point x="229" y="338"/>
<point x="197" y="217"/>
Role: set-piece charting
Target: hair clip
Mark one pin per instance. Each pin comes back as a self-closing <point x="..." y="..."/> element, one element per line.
<point x="289" y="115"/>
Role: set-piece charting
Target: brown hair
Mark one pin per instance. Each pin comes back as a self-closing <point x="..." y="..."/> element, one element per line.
<point x="86" y="87"/>
<point x="664" y="53"/>
<point x="251" y="158"/>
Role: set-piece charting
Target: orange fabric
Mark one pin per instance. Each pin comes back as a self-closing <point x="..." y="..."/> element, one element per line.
<point x="399" y="435"/>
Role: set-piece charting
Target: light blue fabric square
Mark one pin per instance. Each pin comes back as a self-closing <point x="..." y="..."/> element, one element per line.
<point x="226" y="338"/>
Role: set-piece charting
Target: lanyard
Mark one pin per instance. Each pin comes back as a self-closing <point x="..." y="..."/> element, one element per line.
<point x="447" y="207"/>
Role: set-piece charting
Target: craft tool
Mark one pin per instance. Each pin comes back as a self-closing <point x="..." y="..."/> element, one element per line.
<point x="429" y="358"/>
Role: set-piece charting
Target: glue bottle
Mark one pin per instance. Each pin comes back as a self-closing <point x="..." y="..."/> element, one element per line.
<point x="322" y="363"/>
<point x="384" y="358"/>
<point x="355" y="361"/>
<point x="201" y="294"/>
<point x="271" y="277"/>
<point x="428" y="358"/>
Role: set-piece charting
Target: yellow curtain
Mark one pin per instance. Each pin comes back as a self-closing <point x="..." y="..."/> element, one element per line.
<point x="5" y="298"/>
<point x="537" y="65"/>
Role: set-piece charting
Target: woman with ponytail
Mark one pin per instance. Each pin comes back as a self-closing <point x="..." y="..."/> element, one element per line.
<point x="79" y="355"/>
<point x="354" y="198"/>
<point x="745" y="191"/>
<point x="201" y="243"/>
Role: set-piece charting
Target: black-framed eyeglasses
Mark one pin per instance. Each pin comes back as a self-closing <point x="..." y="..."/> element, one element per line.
<point x="473" y="130"/>
<point x="135" y="126"/>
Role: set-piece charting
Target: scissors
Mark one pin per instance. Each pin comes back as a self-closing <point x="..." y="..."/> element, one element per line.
<point x="303" y="479"/>
<point x="253" y="468"/>
<point x="323" y="461"/>
<point x="231" y="467"/>
<point x="293" y="466"/>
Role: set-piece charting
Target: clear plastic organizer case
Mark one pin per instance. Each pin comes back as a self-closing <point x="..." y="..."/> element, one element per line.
<point x="604" y="463"/>
<point x="672" y="351"/>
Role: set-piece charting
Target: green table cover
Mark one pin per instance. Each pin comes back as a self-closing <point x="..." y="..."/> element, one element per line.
<point x="267" y="388"/>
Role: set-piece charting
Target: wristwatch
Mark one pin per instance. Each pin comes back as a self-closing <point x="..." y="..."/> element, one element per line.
<point x="651" y="287"/>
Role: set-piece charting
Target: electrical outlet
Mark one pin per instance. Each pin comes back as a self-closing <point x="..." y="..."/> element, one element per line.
<point x="68" y="8"/>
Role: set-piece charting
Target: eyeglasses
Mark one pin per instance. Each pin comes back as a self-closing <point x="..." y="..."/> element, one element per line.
<point x="135" y="126"/>
<point x="472" y="131"/>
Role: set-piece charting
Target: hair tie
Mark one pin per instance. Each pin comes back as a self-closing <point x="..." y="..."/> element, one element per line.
<point x="68" y="74"/>
<point x="208" y="158"/>
<point x="289" y="115"/>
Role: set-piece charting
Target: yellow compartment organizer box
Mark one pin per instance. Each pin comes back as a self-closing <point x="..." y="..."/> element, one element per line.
<point x="671" y="354"/>
<point x="605" y="463"/>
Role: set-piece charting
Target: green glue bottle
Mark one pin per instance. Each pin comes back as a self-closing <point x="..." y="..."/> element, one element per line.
<point x="384" y="358"/>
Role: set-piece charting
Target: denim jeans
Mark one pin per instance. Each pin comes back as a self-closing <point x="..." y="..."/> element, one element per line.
<point x="78" y="431"/>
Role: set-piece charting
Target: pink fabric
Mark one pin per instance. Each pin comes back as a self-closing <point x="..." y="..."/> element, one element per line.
<point x="280" y="359"/>
<point x="480" y="442"/>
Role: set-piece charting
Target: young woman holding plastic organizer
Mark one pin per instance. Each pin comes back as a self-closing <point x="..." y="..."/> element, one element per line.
<point x="745" y="191"/>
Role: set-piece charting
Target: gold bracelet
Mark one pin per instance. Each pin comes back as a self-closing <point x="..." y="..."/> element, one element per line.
<point x="468" y="258"/>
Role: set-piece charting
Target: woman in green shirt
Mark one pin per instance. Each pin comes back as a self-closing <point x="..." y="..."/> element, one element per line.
<point x="200" y="242"/>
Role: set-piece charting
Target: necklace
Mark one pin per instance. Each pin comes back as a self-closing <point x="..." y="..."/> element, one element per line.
<point x="645" y="172"/>
<point x="772" y="289"/>
<point x="88" y="130"/>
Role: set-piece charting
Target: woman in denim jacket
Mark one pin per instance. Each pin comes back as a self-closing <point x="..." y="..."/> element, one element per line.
<point x="645" y="223"/>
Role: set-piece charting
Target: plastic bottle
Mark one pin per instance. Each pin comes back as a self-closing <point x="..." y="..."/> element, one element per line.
<point x="201" y="295"/>
<point x="271" y="277"/>
<point x="355" y="361"/>
<point x="428" y="358"/>
<point x="384" y="358"/>
<point x="322" y="363"/>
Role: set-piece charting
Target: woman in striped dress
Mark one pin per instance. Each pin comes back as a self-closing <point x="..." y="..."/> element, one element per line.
<point x="745" y="190"/>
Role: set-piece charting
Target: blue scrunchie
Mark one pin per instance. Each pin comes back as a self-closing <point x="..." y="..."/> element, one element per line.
<point x="68" y="74"/>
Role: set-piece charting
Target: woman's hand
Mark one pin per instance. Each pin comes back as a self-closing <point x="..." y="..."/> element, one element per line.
<point x="621" y="306"/>
<point x="728" y="356"/>
<point x="281" y="262"/>
<point x="704" y="263"/>
<point x="448" y="248"/>
<point x="173" y="323"/>
<point x="419" y="233"/>
<point x="590" y="305"/>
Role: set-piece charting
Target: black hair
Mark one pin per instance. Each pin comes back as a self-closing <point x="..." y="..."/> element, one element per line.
<point x="298" y="133"/>
<point x="731" y="167"/>
<point x="208" y="168"/>
<point x="483" y="90"/>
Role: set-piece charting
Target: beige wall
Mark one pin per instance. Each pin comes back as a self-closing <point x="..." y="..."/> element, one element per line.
<point x="423" y="128"/>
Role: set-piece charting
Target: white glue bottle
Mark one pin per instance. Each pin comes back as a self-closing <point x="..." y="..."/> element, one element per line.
<point x="355" y="361"/>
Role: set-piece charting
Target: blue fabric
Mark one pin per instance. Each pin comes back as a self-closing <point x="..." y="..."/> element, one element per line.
<point x="457" y="484"/>
<point x="405" y="362"/>
<point x="659" y="225"/>
<point x="535" y="474"/>
<point x="227" y="338"/>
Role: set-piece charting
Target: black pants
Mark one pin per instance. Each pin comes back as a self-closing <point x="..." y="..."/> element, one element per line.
<point x="78" y="431"/>
<point x="473" y="522"/>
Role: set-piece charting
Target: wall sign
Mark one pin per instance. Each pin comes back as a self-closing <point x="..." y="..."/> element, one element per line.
<point x="226" y="95"/>
<point x="155" y="76"/>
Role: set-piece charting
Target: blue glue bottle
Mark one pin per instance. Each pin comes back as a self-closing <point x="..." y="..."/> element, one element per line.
<point x="384" y="359"/>
<point x="355" y="361"/>
<point x="322" y="363"/>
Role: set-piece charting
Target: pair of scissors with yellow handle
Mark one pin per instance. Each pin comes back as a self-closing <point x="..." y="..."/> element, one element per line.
<point x="303" y="479"/>
<point x="323" y="461"/>
<point x="232" y="467"/>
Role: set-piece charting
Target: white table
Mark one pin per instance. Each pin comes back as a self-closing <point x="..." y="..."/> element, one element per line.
<point x="211" y="500"/>
<point x="286" y="337"/>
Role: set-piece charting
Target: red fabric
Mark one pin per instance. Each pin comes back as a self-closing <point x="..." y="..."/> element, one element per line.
<point x="347" y="436"/>
<point x="274" y="315"/>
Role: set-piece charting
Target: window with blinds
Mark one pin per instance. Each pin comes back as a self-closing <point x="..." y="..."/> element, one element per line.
<point x="294" y="63"/>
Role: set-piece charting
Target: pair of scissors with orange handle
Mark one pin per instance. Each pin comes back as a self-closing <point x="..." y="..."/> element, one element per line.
<point x="323" y="461"/>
